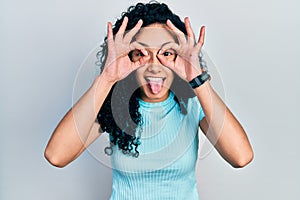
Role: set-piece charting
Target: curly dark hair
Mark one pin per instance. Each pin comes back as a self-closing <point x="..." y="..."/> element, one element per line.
<point x="119" y="115"/>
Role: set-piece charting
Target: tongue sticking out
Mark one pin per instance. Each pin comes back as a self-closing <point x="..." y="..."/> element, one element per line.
<point x="155" y="85"/>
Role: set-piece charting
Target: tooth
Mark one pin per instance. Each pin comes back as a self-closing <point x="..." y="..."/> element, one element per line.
<point x="154" y="79"/>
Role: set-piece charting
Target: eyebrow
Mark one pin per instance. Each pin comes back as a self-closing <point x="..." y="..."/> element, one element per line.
<point x="147" y="45"/>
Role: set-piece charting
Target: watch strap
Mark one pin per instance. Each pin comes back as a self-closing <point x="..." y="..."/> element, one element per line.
<point x="199" y="80"/>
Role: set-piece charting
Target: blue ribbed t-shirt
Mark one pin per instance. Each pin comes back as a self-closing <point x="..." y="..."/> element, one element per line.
<point x="165" y="168"/>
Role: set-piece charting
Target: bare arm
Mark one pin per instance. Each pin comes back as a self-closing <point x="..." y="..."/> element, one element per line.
<point x="220" y="126"/>
<point x="223" y="129"/>
<point x="78" y="128"/>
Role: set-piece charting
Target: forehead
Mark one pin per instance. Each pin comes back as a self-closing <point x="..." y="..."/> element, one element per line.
<point x="154" y="35"/>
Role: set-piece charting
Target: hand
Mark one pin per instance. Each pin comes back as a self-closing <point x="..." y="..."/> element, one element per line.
<point x="186" y="64"/>
<point x="118" y="64"/>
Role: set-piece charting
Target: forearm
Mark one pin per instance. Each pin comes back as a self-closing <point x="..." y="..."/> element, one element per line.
<point x="223" y="129"/>
<point x="73" y="131"/>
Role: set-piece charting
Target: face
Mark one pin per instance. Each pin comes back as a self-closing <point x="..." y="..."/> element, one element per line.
<point x="154" y="78"/>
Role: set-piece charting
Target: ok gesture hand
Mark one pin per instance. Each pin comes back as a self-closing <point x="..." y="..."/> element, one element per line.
<point x="118" y="64"/>
<point x="186" y="64"/>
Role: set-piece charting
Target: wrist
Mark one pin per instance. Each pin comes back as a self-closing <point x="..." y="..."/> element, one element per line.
<point x="107" y="77"/>
<point x="193" y="76"/>
<point x="199" y="80"/>
<point x="103" y="81"/>
<point x="193" y="72"/>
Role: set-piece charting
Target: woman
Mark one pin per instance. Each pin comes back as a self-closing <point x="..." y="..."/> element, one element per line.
<point x="153" y="93"/>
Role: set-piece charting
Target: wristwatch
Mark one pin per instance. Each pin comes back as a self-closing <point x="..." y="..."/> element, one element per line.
<point x="199" y="80"/>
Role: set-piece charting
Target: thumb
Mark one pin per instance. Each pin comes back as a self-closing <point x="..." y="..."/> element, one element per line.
<point x="141" y="62"/>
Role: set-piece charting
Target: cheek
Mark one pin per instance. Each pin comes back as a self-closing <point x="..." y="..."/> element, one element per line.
<point x="139" y="76"/>
<point x="170" y="77"/>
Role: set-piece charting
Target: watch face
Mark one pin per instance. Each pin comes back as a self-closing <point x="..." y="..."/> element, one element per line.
<point x="198" y="81"/>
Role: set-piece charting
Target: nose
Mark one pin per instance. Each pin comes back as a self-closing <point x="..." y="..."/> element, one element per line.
<point x="154" y="64"/>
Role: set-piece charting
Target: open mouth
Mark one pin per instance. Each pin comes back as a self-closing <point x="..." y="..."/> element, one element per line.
<point x="155" y="84"/>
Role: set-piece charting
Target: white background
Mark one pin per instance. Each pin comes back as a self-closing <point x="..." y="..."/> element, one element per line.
<point x="254" y="44"/>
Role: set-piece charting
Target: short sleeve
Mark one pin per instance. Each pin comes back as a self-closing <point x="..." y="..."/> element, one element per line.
<point x="195" y="109"/>
<point x="201" y="112"/>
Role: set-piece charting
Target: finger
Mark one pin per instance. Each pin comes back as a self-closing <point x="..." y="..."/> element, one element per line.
<point x="136" y="45"/>
<point x="190" y="32"/>
<point x="120" y="33"/>
<point x="141" y="62"/>
<point x="110" y="35"/>
<point x="171" y="45"/>
<point x="179" y="34"/>
<point x="128" y="37"/>
<point x="201" y="38"/>
<point x="123" y="25"/>
<point x="164" y="61"/>
<point x="109" y="31"/>
<point x="164" y="48"/>
<point x="188" y="27"/>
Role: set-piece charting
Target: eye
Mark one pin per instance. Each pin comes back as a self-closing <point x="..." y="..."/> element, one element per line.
<point x="170" y="54"/>
<point x="167" y="53"/>
<point x="137" y="53"/>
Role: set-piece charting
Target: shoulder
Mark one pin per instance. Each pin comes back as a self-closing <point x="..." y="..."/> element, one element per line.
<point x="194" y="108"/>
<point x="193" y="103"/>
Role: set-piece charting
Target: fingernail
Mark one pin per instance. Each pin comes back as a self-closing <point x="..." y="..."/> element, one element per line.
<point x="169" y="21"/>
